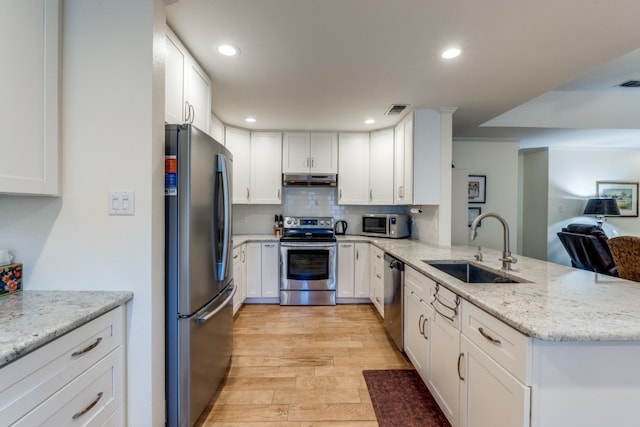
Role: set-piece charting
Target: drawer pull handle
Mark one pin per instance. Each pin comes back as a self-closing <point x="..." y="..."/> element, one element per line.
<point x="489" y="337"/>
<point x="424" y="330"/>
<point x="88" y="408"/>
<point x="460" y="356"/>
<point x="87" y="349"/>
<point x="421" y="325"/>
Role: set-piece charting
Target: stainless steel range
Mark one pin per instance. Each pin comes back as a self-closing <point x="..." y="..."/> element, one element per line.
<point x="308" y="254"/>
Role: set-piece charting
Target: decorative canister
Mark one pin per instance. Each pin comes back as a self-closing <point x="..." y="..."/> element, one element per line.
<point x="10" y="278"/>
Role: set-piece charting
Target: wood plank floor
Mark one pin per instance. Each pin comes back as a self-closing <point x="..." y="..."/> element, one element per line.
<point x="302" y="367"/>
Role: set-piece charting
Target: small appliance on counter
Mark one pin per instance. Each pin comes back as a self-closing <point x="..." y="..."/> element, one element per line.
<point x="393" y="226"/>
<point x="340" y="227"/>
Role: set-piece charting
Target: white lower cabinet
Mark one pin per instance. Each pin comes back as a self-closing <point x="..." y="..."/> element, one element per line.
<point x="270" y="270"/>
<point x="262" y="270"/>
<point x="239" y="273"/>
<point x="78" y="378"/>
<point x="361" y="271"/>
<point x="346" y="270"/>
<point x="444" y="351"/>
<point x="494" y="372"/>
<point x="417" y="321"/>
<point x="376" y="293"/>
<point x="489" y="395"/>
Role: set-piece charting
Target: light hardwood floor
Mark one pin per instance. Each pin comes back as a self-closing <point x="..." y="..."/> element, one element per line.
<point x="302" y="367"/>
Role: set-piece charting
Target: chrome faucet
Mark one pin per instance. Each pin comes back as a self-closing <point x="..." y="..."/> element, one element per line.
<point x="506" y="259"/>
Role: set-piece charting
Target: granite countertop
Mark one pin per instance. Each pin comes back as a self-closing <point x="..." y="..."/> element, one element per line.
<point x="31" y="319"/>
<point x="557" y="303"/>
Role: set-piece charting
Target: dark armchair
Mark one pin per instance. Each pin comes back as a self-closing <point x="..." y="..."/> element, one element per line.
<point x="587" y="247"/>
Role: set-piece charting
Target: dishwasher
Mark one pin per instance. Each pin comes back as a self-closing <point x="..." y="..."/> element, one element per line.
<point x="393" y="292"/>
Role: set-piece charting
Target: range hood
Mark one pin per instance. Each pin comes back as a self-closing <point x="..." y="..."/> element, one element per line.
<point x="326" y="180"/>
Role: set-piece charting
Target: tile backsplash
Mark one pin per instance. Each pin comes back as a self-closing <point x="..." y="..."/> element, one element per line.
<point x="302" y="201"/>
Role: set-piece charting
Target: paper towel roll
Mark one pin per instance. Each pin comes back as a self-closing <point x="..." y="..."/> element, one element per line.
<point x="415" y="210"/>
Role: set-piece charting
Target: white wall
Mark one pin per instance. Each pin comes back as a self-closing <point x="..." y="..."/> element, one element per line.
<point x="499" y="162"/>
<point x="534" y="201"/>
<point x="572" y="180"/>
<point x="112" y="139"/>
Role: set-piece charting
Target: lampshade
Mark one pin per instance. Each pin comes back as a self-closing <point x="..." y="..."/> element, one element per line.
<point x="607" y="207"/>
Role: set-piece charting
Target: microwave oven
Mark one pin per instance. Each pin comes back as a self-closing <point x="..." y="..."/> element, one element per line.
<point x="393" y="226"/>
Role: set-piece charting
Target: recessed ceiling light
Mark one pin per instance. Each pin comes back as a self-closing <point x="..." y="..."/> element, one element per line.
<point x="250" y="120"/>
<point x="369" y="121"/>
<point x="228" y="50"/>
<point x="451" y="53"/>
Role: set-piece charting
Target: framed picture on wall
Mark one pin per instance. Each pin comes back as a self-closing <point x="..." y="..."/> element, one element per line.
<point x="477" y="188"/>
<point x="473" y="213"/>
<point x="624" y="193"/>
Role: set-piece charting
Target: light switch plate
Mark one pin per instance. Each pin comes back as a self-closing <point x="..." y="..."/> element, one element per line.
<point x="122" y="203"/>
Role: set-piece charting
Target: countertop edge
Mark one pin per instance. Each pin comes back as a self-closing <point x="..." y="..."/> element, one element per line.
<point x="11" y="308"/>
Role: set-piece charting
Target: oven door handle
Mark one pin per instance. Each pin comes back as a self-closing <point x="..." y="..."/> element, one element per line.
<point x="308" y="245"/>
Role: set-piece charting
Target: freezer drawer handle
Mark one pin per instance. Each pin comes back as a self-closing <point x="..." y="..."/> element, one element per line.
<point x="87" y="349"/>
<point x="203" y="319"/>
<point x="88" y="408"/>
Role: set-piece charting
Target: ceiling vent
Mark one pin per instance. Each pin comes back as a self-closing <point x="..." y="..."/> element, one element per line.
<point x="630" y="83"/>
<point x="396" y="109"/>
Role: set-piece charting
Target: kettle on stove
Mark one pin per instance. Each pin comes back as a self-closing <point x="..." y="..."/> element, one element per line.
<point x="340" y="227"/>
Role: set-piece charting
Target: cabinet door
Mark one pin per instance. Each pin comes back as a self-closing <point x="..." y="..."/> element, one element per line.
<point x="361" y="271"/>
<point x="323" y="152"/>
<point x="295" y="152"/>
<point x="175" y="64"/>
<point x="239" y="143"/>
<point x="270" y="270"/>
<point x="198" y="90"/>
<point x="254" y="270"/>
<point x="29" y="83"/>
<point x="346" y="264"/>
<point x="377" y="278"/>
<point x="489" y="395"/>
<point x="238" y="279"/>
<point x="416" y="332"/>
<point x="403" y="170"/>
<point x="353" y="169"/>
<point x="381" y="158"/>
<point x="444" y="355"/>
<point x="266" y="168"/>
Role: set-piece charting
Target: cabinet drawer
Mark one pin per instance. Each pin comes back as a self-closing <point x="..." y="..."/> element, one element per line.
<point x="510" y="348"/>
<point x="88" y="400"/>
<point x="30" y="380"/>
<point x="418" y="283"/>
<point x="446" y="304"/>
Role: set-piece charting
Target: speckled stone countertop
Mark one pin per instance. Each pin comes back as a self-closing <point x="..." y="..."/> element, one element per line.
<point x="31" y="319"/>
<point x="557" y="303"/>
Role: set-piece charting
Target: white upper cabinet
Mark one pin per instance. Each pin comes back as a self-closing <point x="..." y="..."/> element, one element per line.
<point x="238" y="141"/>
<point x="256" y="166"/>
<point x="403" y="169"/>
<point x="187" y="86"/>
<point x="304" y="152"/>
<point x="365" y="170"/>
<point x="29" y="81"/>
<point x="266" y="168"/>
<point x="381" y="158"/>
<point x="353" y="169"/>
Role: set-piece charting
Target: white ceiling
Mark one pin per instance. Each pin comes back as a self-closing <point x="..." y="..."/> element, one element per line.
<point x="540" y="71"/>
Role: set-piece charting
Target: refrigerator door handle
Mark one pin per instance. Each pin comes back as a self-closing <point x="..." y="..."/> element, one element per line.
<point x="221" y="263"/>
<point x="203" y="319"/>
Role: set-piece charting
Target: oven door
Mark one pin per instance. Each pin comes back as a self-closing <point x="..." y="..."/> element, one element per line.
<point x="308" y="266"/>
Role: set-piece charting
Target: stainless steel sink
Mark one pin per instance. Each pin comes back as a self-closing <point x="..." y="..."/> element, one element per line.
<point x="469" y="273"/>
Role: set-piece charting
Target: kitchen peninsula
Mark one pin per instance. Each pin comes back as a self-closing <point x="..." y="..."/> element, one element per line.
<point x="565" y="341"/>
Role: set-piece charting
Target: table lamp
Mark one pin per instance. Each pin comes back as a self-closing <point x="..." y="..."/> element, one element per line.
<point x="601" y="208"/>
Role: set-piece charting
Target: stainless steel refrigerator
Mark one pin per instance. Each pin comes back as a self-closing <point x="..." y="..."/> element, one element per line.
<point x="199" y="271"/>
